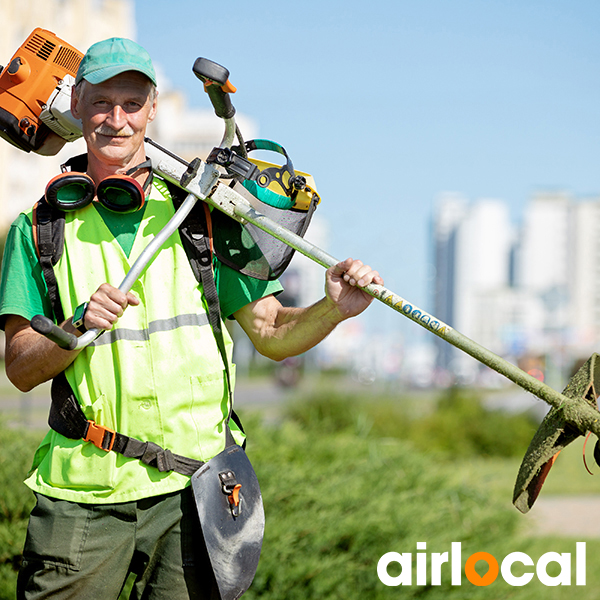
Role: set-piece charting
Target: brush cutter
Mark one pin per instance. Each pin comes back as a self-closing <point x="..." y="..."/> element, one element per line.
<point x="573" y="412"/>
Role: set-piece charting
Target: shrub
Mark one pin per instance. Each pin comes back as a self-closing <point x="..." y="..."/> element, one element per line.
<point x="336" y="503"/>
<point x="16" y="501"/>
<point x="462" y="426"/>
<point x="459" y="425"/>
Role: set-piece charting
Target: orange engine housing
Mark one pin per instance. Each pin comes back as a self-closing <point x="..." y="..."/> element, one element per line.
<point x="27" y="83"/>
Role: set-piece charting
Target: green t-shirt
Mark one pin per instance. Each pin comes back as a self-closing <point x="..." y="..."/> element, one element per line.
<point x="23" y="289"/>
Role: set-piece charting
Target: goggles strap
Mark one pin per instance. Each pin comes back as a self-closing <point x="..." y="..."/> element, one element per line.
<point x="147" y="164"/>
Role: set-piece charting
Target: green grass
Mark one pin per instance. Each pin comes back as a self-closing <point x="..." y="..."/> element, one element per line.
<point x="568" y="476"/>
<point x="16" y="501"/>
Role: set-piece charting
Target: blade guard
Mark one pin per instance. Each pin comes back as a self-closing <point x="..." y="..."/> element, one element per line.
<point x="554" y="434"/>
<point x="232" y="520"/>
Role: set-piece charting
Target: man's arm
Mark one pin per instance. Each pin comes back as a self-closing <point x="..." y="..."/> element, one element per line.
<point x="278" y="332"/>
<point x="32" y="359"/>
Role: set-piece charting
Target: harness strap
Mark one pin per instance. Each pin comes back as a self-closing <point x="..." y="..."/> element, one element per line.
<point x="49" y="238"/>
<point x="68" y="419"/>
<point x="196" y="236"/>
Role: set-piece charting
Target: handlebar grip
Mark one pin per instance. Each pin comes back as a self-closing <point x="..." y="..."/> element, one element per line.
<point x="53" y="332"/>
<point x="216" y="85"/>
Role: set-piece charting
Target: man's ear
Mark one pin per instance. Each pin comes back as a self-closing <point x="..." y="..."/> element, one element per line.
<point x="153" y="108"/>
<point x="74" y="104"/>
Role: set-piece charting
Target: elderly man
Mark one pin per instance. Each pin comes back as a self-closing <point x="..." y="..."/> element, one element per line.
<point x="157" y="376"/>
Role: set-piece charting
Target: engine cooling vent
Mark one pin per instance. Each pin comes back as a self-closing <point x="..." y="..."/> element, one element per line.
<point x="68" y="59"/>
<point x="40" y="46"/>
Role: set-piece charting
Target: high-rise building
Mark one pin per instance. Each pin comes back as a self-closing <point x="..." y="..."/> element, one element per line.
<point x="584" y="278"/>
<point x="472" y="253"/>
<point x="449" y="212"/>
<point x="530" y="296"/>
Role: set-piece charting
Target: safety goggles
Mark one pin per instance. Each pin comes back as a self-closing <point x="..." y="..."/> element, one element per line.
<point x="72" y="190"/>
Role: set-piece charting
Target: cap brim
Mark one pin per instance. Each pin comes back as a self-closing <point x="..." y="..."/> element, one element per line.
<point x="106" y="73"/>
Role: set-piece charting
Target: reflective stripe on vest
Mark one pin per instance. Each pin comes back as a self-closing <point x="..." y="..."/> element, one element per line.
<point x="140" y="335"/>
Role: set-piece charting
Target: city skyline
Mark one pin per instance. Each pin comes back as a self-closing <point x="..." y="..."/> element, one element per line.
<point x="527" y="290"/>
<point x="388" y="105"/>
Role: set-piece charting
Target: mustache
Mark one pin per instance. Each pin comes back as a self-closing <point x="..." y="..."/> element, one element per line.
<point x="104" y="129"/>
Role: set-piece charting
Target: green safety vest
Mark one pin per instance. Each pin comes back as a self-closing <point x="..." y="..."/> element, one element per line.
<point x="157" y="375"/>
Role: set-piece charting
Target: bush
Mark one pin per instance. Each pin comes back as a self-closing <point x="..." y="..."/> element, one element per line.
<point x="462" y="427"/>
<point x="16" y="501"/>
<point x="459" y="425"/>
<point x="336" y="500"/>
<point x="336" y="503"/>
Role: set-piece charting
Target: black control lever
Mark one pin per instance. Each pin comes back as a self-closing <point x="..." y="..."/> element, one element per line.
<point x="217" y="85"/>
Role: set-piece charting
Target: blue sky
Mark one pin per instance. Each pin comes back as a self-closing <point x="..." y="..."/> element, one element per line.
<point x="389" y="103"/>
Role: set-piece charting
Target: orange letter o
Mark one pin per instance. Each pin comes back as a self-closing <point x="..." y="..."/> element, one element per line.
<point x="473" y="576"/>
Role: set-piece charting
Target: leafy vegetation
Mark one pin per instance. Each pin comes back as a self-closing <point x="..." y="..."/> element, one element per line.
<point x="458" y="425"/>
<point x="16" y="501"/>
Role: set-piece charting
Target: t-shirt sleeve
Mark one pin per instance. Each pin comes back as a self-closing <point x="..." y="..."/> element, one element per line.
<point x="23" y="290"/>
<point x="236" y="289"/>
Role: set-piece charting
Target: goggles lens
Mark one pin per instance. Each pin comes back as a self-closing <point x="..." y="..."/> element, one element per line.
<point x="120" y="200"/>
<point x="121" y="194"/>
<point x="71" y="193"/>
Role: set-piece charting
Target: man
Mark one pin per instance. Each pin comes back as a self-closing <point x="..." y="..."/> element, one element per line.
<point x="157" y="376"/>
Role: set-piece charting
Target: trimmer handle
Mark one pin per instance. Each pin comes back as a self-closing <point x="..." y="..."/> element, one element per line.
<point x="217" y="85"/>
<point x="53" y="332"/>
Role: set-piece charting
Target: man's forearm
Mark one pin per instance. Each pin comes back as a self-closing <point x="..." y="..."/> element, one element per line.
<point x="279" y="332"/>
<point x="300" y="329"/>
<point x="32" y="359"/>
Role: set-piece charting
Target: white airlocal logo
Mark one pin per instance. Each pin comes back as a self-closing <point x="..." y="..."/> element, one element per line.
<point x="454" y="568"/>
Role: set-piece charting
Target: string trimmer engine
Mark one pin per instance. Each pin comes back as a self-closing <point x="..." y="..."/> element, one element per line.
<point x="35" y="94"/>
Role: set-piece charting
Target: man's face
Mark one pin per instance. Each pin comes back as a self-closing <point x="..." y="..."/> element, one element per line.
<point x="114" y="115"/>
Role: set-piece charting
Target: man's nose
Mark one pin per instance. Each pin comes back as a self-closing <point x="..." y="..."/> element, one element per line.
<point x="117" y="118"/>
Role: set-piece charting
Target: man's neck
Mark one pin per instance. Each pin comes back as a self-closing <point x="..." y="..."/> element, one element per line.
<point x="98" y="169"/>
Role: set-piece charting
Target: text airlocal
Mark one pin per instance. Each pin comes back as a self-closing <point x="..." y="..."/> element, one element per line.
<point x="454" y="569"/>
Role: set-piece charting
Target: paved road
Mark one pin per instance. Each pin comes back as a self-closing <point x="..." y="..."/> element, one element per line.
<point x="569" y="516"/>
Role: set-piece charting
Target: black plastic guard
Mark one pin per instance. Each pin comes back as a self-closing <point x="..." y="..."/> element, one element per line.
<point x="233" y="543"/>
<point x="12" y="133"/>
<point x="554" y="434"/>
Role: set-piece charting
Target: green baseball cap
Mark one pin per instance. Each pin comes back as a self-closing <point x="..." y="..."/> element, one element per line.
<point x="111" y="57"/>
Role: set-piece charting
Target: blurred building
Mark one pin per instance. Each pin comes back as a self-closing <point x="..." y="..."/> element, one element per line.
<point x="530" y="293"/>
<point x="584" y="278"/>
<point x="473" y="269"/>
<point x="449" y="212"/>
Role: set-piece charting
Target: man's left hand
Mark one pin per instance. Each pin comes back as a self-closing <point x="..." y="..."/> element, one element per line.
<point x="342" y="286"/>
